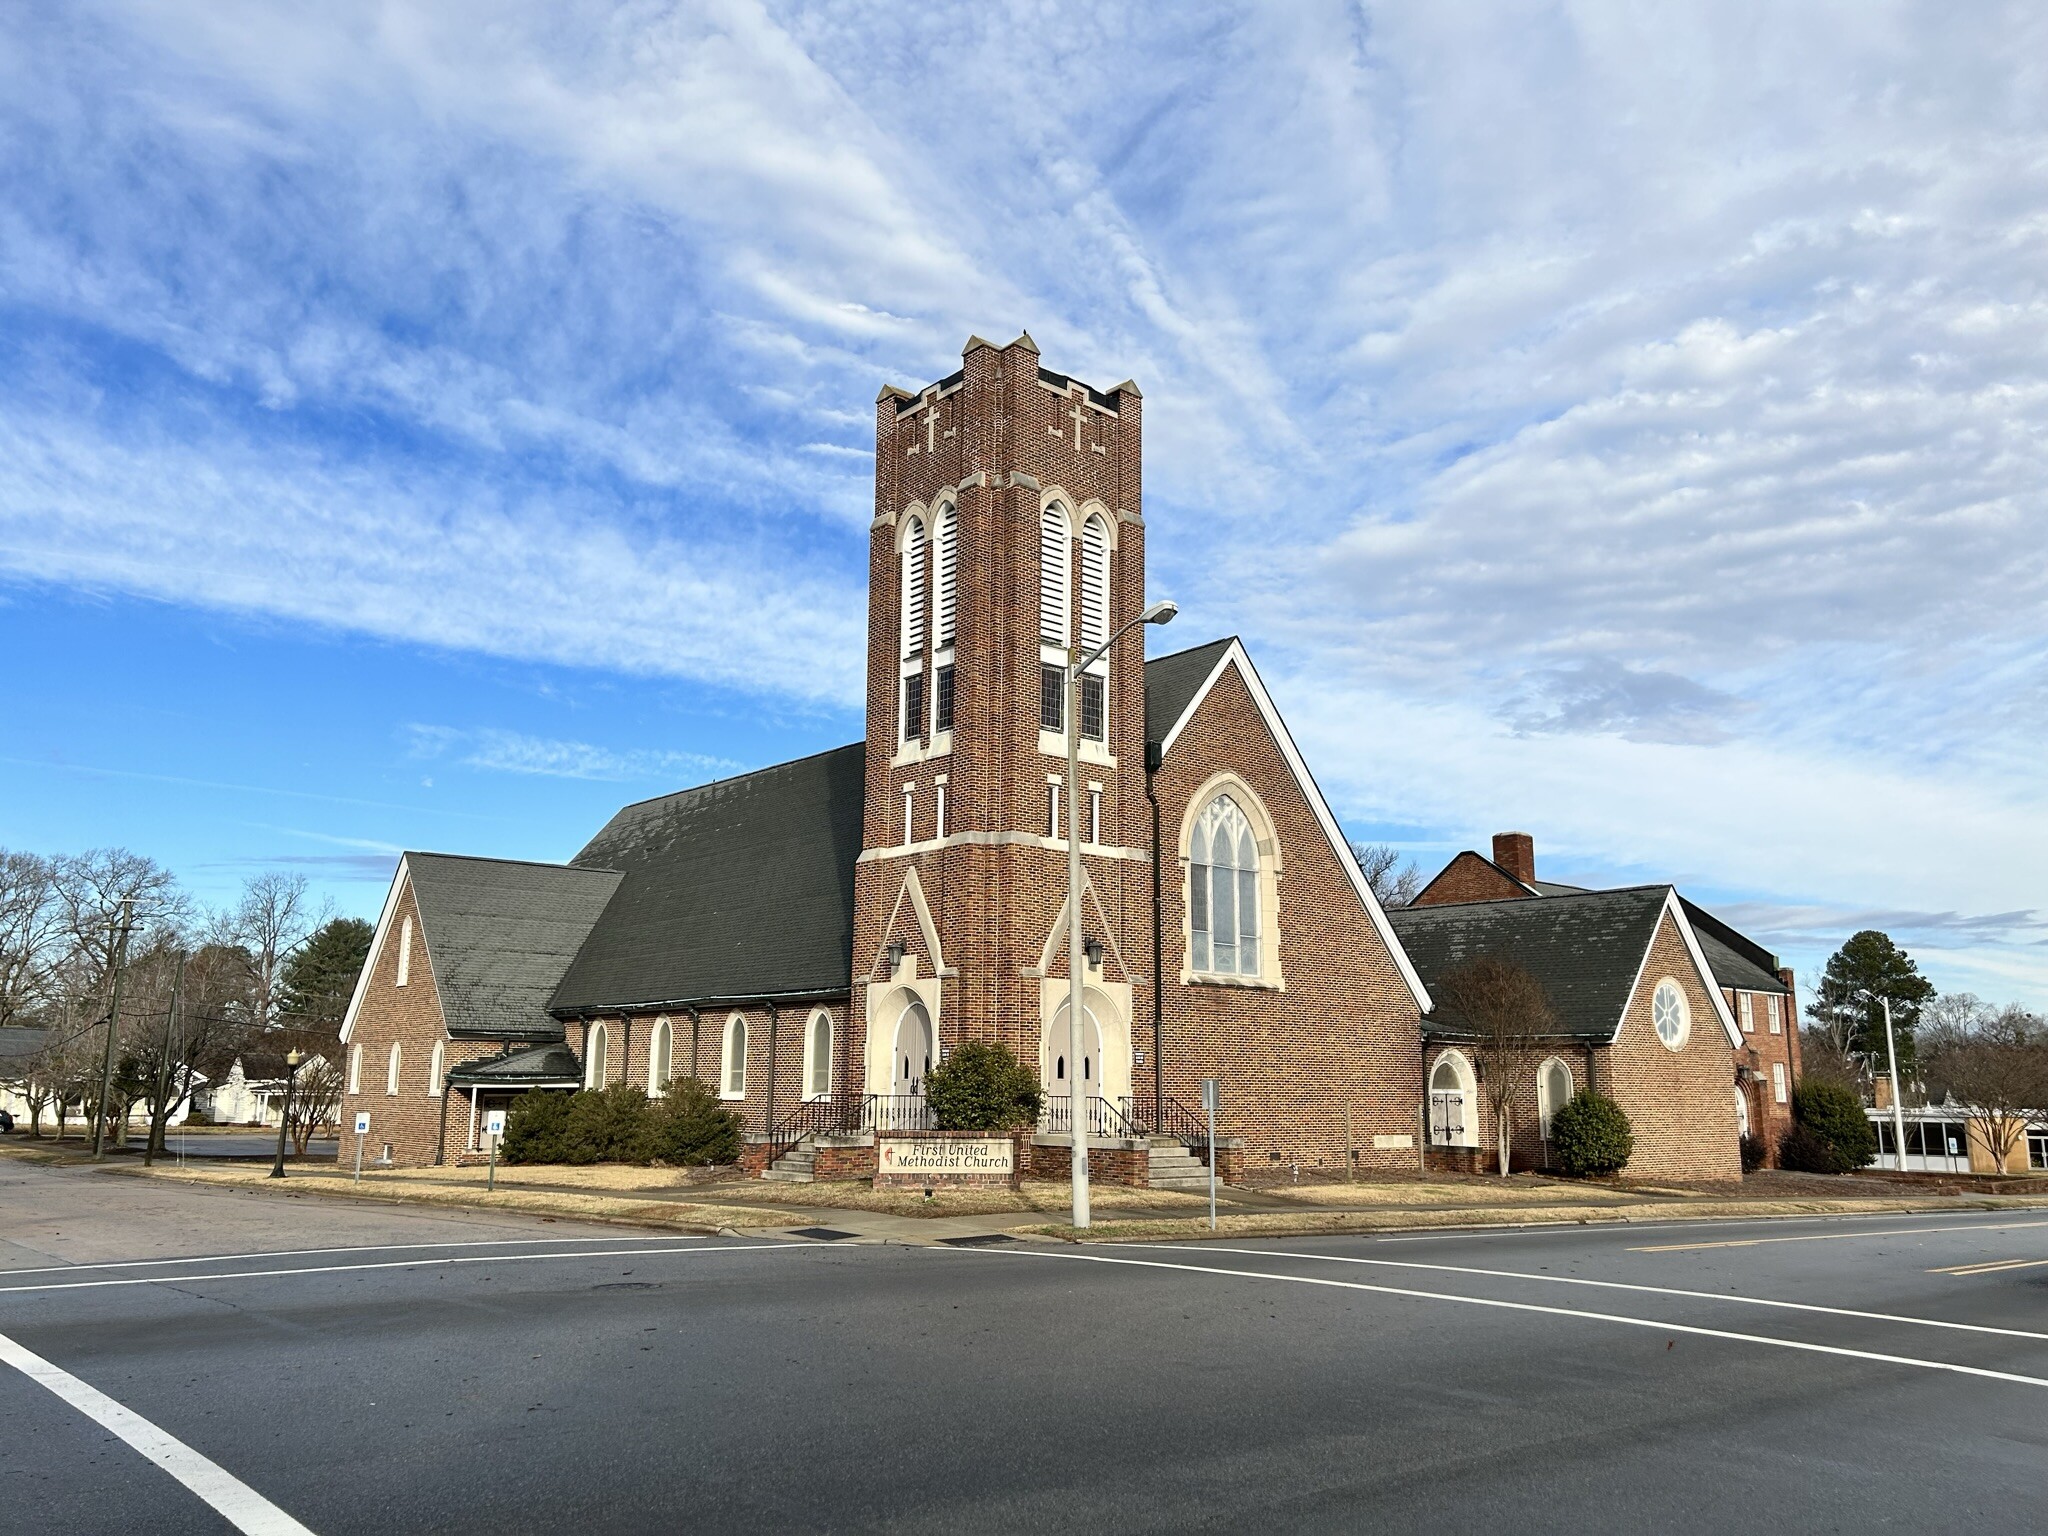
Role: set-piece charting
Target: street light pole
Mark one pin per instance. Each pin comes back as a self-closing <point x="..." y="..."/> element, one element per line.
<point x="1891" y="1055"/>
<point x="1161" y="612"/>
<point x="284" y="1115"/>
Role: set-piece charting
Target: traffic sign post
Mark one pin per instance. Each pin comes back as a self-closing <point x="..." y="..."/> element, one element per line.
<point x="494" y="1128"/>
<point x="1211" y="1092"/>
<point x="362" y="1130"/>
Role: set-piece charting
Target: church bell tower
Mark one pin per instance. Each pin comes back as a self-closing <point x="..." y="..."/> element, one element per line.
<point x="1008" y="525"/>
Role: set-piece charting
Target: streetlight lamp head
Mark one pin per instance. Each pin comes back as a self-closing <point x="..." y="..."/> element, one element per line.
<point x="292" y="1058"/>
<point x="1162" y="612"/>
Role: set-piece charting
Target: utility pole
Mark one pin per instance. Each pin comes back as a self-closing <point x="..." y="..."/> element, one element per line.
<point x="120" y="964"/>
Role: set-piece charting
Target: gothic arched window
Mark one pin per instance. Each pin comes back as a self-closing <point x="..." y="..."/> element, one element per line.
<point x="818" y="1056"/>
<point x="596" y="1048"/>
<point x="661" y="1051"/>
<point x="1223" y="892"/>
<point x="734" y="1085"/>
<point x="913" y="588"/>
<point x="437" y="1069"/>
<point x="1055" y="575"/>
<point x="1094" y="582"/>
<point x="948" y="566"/>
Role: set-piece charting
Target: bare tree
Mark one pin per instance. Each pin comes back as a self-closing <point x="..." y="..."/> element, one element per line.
<point x="1393" y="883"/>
<point x="190" y="1018"/>
<point x="316" y="1100"/>
<point x="31" y="932"/>
<point x="274" y="917"/>
<point x="1504" y="1006"/>
<point x="1992" y="1069"/>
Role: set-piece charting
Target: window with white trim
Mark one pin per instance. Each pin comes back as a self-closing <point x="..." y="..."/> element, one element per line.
<point x="1095" y="814"/>
<point x="661" y="1052"/>
<point x="948" y="542"/>
<point x="404" y="952"/>
<point x="1671" y="1014"/>
<point x="437" y="1069"/>
<point x="1055" y="576"/>
<point x="1773" y="1003"/>
<point x="391" y="1070"/>
<point x="1741" y="1111"/>
<point x="1780" y="1089"/>
<point x="1452" y="1091"/>
<point x="1745" y="1004"/>
<point x="1052" y="808"/>
<point x="1052" y="697"/>
<point x="939" y="807"/>
<point x="355" y="1069"/>
<point x="909" y="814"/>
<point x="1094" y="582"/>
<point x="913" y="588"/>
<point x="1553" y="1091"/>
<point x="912" y="713"/>
<point x="597" y="1046"/>
<point x="818" y="1056"/>
<point x="732" y="1083"/>
<point x="942" y="699"/>
<point x="1223" y="892"/>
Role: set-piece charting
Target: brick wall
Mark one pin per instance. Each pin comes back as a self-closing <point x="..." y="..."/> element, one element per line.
<point x="1468" y="877"/>
<point x="630" y="1037"/>
<point x="1343" y="1027"/>
<point x="1680" y="1103"/>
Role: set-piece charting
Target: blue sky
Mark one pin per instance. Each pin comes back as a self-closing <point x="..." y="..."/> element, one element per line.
<point x="1622" y="424"/>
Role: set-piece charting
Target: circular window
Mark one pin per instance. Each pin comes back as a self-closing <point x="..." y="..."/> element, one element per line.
<point x="1670" y="1014"/>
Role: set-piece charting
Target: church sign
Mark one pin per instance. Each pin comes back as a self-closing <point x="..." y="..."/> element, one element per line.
<point x="941" y="1157"/>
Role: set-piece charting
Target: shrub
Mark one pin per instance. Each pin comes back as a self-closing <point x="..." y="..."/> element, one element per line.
<point x="1753" y="1153"/>
<point x="1591" y="1135"/>
<point x="609" y="1125"/>
<point x="1804" y="1152"/>
<point x="1834" y="1115"/>
<point x="983" y="1087"/>
<point x="533" y="1127"/>
<point x="692" y="1129"/>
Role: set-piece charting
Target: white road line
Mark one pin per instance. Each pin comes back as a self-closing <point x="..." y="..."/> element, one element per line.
<point x="1694" y="1223"/>
<point x="296" y="1253"/>
<point x="1613" y="1285"/>
<point x="1834" y="1237"/>
<point x="239" y="1504"/>
<point x="1523" y="1306"/>
<point x="342" y="1269"/>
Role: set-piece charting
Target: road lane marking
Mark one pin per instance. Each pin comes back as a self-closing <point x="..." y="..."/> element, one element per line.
<point x="1618" y="1285"/>
<point x="343" y="1269"/>
<point x="1525" y="1306"/>
<point x="1995" y="1266"/>
<point x="1831" y="1237"/>
<point x="295" y="1253"/>
<point x="239" y="1504"/>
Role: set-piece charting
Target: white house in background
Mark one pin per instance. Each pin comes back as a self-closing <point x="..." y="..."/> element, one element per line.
<point x="246" y="1097"/>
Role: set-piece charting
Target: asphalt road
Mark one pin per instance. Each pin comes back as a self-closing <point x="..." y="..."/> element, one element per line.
<point x="484" y="1374"/>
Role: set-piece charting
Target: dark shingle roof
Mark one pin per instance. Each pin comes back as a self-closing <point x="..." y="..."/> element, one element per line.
<point x="738" y="889"/>
<point x="19" y="1042"/>
<point x="1172" y="681"/>
<point x="539" y="1064"/>
<point x="1585" y="949"/>
<point x="1737" y="961"/>
<point x="499" y="934"/>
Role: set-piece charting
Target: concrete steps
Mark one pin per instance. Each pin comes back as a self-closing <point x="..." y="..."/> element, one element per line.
<point x="1174" y="1167"/>
<point x="796" y="1166"/>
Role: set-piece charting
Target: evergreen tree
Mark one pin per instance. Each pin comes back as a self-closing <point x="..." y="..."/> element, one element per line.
<point x="1846" y="1007"/>
<point x="320" y="978"/>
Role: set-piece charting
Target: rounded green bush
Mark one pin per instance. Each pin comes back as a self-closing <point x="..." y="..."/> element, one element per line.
<point x="983" y="1087"/>
<point x="533" y="1127"/>
<point x="692" y="1129"/>
<point x="1832" y="1116"/>
<point x="1590" y="1135"/>
<point x="1753" y="1153"/>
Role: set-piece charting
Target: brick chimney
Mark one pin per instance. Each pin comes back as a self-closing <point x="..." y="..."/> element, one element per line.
<point x="1515" y="852"/>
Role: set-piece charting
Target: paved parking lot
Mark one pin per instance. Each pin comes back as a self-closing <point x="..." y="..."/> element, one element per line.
<point x="356" y="1368"/>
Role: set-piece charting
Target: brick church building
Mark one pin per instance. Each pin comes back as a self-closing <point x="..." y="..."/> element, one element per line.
<point x="810" y="938"/>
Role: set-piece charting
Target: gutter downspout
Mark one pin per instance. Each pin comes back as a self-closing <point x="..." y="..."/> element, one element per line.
<point x="1153" y="758"/>
<point x="696" y="1064"/>
<point x="774" y="1018"/>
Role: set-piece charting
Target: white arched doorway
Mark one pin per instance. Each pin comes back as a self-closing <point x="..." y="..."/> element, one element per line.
<point x="911" y="1059"/>
<point x="1453" y="1102"/>
<point x="1055" y="1050"/>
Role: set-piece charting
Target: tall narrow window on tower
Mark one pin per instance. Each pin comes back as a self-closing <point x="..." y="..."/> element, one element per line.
<point x="913" y="705"/>
<point x="948" y="540"/>
<point x="1055" y="580"/>
<point x="1052" y="697"/>
<point x="1091" y="706"/>
<point x="1094" y="582"/>
<point x="913" y="588"/>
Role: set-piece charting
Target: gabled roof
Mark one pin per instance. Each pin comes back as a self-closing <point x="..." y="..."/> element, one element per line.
<point x="499" y="934"/>
<point x="1739" y="962"/>
<point x="1587" y="949"/>
<point x="735" y="890"/>
<point x="1532" y="887"/>
<point x="1185" y="681"/>
<point x="19" y="1042"/>
<point x="1172" y="683"/>
<point x="538" y="1066"/>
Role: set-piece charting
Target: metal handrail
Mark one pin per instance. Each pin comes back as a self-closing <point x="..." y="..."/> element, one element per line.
<point x="897" y="1112"/>
<point x="1170" y="1117"/>
<point x="814" y="1117"/>
<point x="1106" y="1118"/>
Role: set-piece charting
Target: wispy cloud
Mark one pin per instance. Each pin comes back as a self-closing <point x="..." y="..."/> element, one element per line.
<point x="501" y="751"/>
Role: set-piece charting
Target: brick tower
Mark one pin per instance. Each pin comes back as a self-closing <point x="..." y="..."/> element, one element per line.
<point x="1008" y="518"/>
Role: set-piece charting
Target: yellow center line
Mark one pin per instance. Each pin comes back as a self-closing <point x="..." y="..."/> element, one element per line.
<point x="1993" y="1267"/>
<point x="1828" y="1237"/>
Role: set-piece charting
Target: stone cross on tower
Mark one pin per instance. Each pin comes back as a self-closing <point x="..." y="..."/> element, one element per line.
<point x="1076" y="417"/>
<point x="931" y="427"/>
